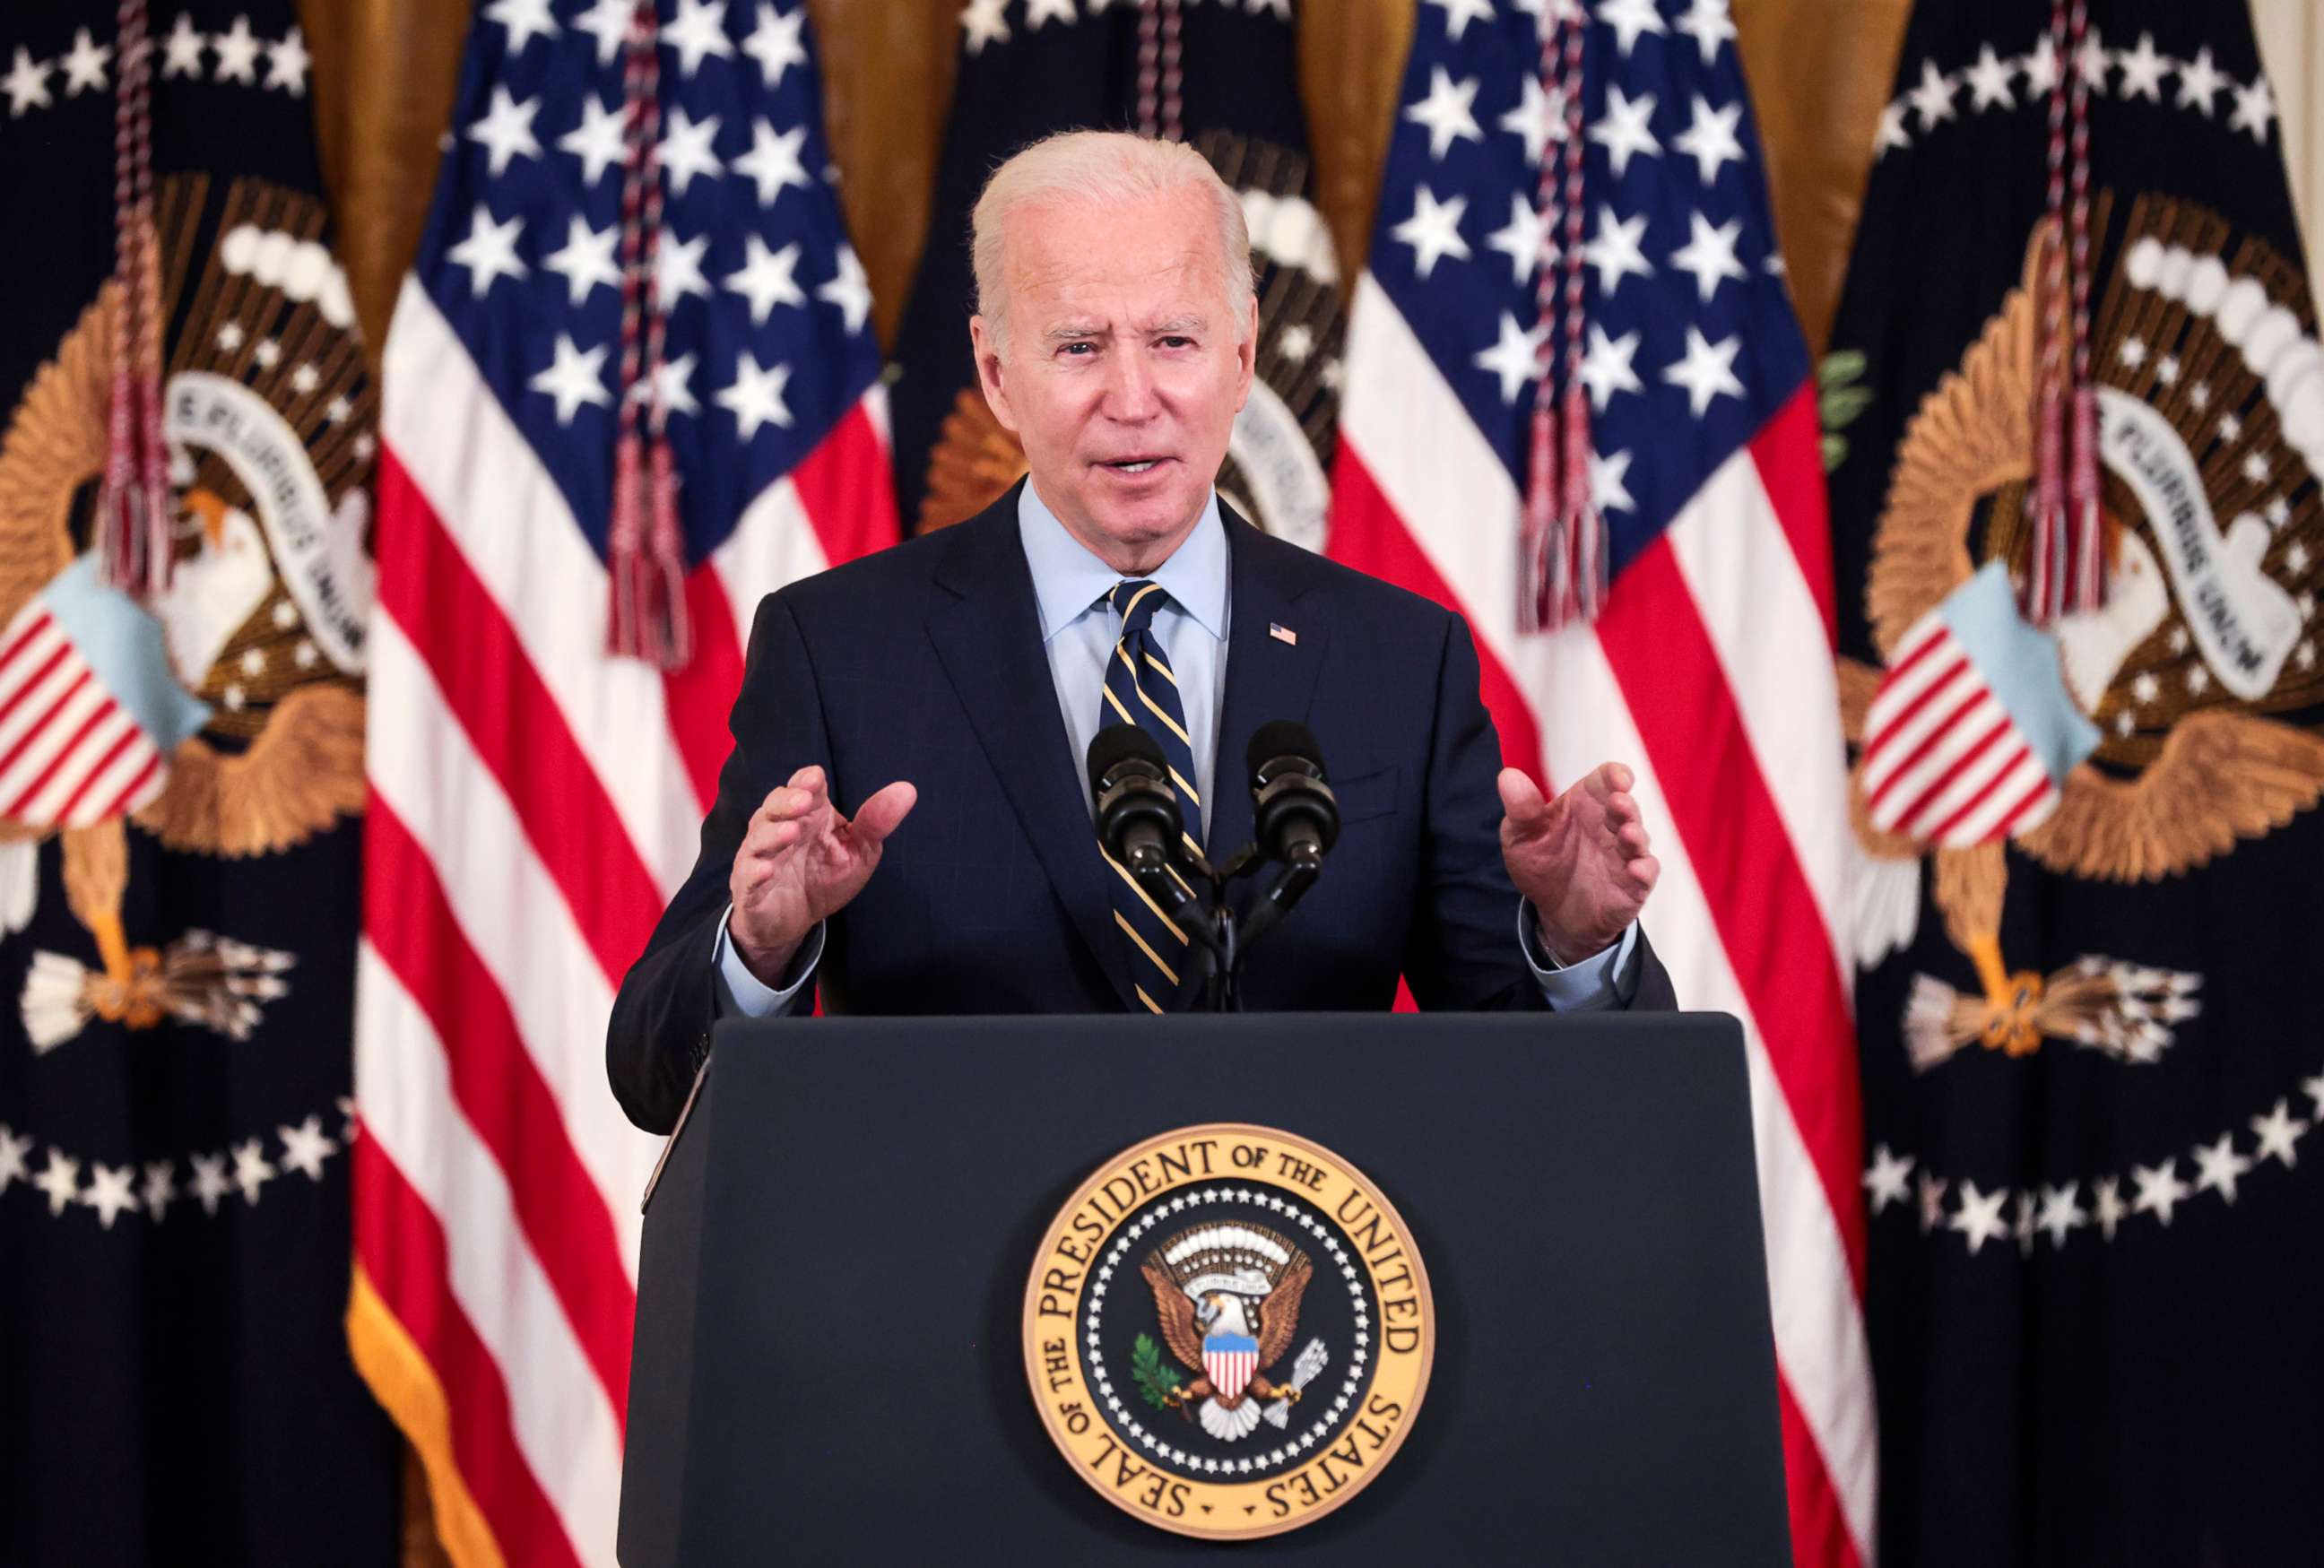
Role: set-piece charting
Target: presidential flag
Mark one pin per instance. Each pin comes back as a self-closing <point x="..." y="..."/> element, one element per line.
<point x="2090" y="1028"/>
<point x="1222" y="78"/>
<point x="180" y="794"/>
<point x="629" y="389"/>
<point x="1655" y="506"/>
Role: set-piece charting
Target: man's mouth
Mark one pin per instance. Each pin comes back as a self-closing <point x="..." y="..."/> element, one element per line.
<point x="1133" y="464"/>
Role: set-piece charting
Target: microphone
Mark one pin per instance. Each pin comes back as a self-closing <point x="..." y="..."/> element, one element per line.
<point x="1137" y="816"/>
<point x="1298" y="817"/>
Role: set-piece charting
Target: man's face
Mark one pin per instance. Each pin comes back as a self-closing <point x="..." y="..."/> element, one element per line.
<point x="1125" y="369"/>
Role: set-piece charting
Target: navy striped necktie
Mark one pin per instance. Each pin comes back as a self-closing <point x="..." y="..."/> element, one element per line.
<point x="1142" y="689"/>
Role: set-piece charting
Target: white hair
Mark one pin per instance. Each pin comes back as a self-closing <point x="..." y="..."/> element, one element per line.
<point x="1100" y="168"/>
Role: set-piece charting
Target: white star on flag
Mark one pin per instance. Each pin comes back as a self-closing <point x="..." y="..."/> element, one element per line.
<point x="685" y="150"/>
<point x="677" y="268"/>
<point x="1434" y="231"/>
<point x="1888" y="1180"/>
<point x="1525" y="239"/>
<point x="2160" y="1190"/>
<point x="109" y="1192"/>
<point x="305" y="1148"/>
<point x="849" y="290"/>
<point x="573" y="378"/>
<point x="2217" y="1166"/>
<point x="1616" y="251"/>
<point x="489" y="251"/>
<point x="1538" y="119"/>
<point x="505" y="132"/>
<point x="1711" y="141"/>
<point x="1710" y="255"/>
<point x="607" y="22"/>
<point x="775" y="43"/>
<point x="697" y="33"/>
<point x="1631" y="20"/>
<point x="597" y="140"/>
<point x="1707" y="371"/>
<point x="1446" y="113"/>
<point x="756" y="396"/>
<point x="1624" y="130"/>
<point x="1515" y="356"/>
<point x="1978" y="1219"/>
<point x="238" y="53"/>
<point x="765" y="278"/>
<point x="773" y="161"/>
<point x="587" y="259"/>
<point x="525" y="19"/>
<point x="85" y="65"/>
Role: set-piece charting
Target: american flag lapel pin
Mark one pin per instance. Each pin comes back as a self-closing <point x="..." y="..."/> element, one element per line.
<point x="1282" y="634"/>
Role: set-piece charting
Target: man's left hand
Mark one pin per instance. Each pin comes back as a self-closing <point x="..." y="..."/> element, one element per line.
<point x="1581" y="859"/>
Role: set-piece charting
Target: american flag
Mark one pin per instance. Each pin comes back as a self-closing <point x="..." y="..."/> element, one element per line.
<point x="1709" y="667"/>
<point x="535" y="799"/>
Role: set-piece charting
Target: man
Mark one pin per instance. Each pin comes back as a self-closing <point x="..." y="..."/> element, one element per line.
<point x="949" y="687"/>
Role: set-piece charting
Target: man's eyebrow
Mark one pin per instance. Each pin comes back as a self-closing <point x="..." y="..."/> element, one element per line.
<point x="1071" y="331"/>
<point x="1178" y="324"/>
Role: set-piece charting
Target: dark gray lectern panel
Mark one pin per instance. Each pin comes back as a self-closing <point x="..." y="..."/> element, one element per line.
<point x="827" y="1366"/>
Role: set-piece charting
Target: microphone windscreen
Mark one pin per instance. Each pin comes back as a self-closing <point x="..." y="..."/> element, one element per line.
<point x="1118" y="743"/>
<point x="1280" y="738"/>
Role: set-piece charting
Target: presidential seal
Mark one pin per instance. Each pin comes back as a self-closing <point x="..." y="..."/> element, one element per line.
<point x="1228" y="1330"/>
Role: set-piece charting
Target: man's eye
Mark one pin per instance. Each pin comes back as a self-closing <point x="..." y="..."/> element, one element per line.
<point x="1079" y="350"/>
<point x="1178" y="343"/>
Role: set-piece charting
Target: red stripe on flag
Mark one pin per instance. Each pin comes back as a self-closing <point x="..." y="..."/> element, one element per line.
<point x="128" y="793"/>
<point x="402" y="1250"/>
<point x="697" y="699"/>
<point x="490" y="686"/>
<point x="129" y="737"/>
<point x="1787" y="452"/>
<point x="1768" y="923"/>
<point x="499" y="1088"/>
<point x="1984" y="792"/>
<point x="30" y="792"/>
<point x="849" y="494"/>
<point x="1922" y="700"/>
<point x="1368" y="535"/>
<point x="24" y="634"/>
<point x="1820" y="1537"/>
<point x="32" y="732"/>
<point x="1939" y="733"/>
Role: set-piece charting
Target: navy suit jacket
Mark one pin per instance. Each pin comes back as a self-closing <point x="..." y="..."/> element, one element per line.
<point x="925" y="662"/>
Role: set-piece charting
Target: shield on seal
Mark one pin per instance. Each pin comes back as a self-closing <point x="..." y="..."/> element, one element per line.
<point x="1230" y="1360"/>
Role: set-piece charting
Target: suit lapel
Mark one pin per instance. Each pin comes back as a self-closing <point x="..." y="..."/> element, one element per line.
<point x="1268" y="677"/>
<point x="988" y="637"/>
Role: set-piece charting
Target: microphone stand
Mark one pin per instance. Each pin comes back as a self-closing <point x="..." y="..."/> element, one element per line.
<point x="1224" y="937"/>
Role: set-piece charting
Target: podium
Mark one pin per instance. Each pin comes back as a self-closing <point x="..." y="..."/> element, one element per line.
<point x="829" y="1360"/>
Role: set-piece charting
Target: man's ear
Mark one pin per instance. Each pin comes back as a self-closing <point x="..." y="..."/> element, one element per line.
<point x="1247" y="355"/>
<point x="989" y="375"/>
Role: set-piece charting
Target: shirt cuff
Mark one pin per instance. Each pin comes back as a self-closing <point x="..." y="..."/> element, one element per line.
<point x="742" y="994"/>
<point x="1588" y="985"/>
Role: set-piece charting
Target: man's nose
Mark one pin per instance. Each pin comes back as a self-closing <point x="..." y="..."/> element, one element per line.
<point x="1130" y="394"/>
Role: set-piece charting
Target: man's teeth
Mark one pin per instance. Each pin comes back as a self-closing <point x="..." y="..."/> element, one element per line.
<point x="1138" y="468"/>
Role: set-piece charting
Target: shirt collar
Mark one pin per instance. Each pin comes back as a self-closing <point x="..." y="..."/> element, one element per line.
<point x="1068" y="577"/>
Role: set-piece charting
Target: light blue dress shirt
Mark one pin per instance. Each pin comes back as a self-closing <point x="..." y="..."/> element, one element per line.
<point x="1071" y="587"/>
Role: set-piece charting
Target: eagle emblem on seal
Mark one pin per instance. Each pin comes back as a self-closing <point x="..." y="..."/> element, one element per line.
<point x="1228" y="1298"/>
<point x="2126" y="744"/>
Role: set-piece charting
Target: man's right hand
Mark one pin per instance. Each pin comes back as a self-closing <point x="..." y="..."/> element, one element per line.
<point x="800" y="862"/>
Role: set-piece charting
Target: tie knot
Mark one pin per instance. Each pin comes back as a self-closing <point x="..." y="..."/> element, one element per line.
<point x="1136" y="599"/>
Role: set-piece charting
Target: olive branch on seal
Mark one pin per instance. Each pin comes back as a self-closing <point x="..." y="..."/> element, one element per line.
<point x="1157" y="1381"/>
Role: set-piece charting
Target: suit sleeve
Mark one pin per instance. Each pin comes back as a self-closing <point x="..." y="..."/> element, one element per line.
<point x="659" y="1032"/>
<point x="1464" y="952"/>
